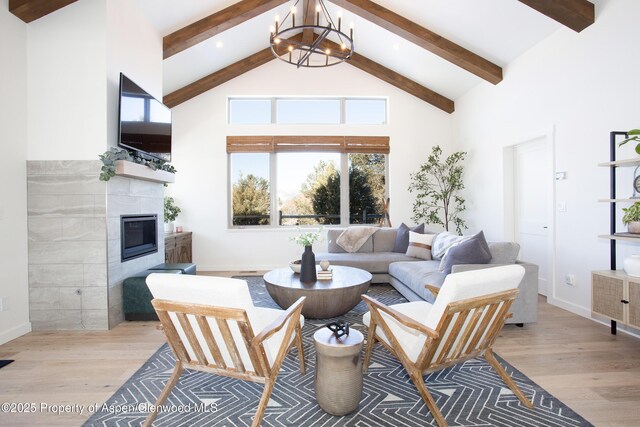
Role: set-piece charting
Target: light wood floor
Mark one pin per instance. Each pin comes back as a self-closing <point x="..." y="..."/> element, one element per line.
<point x="575" y="359"/>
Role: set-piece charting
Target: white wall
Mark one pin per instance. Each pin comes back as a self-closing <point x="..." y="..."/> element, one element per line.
<point x="199" y="154"/>
<point x="134" y="48"/>
<point x="66" y="83"/>
<point x="581" y="86"/>
<point x="14" y="320"/>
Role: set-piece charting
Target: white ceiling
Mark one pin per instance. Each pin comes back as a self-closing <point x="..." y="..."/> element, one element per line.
<point x="498" y="30"/>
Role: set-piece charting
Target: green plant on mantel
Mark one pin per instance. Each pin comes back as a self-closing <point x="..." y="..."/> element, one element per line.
<point x="633" y="135"/>
<point x="112" y="155"/>
<point x="631" y="214"/>
<point x="171" y="211"/>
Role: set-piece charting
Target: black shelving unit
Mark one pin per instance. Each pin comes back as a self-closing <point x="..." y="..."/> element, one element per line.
<point x="613" y="143"/>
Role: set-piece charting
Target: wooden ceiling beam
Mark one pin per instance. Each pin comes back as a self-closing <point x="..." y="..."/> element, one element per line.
<point x="216" y="79"/>
<point x="395" y="79"/>
<point x="424" y="38"/>
<point x="309" y="14"/>
<point x="232" y="71"/>
<point x="214" y="24"/>
<point x="575" y="14"/>
<point x="30" y="10"/>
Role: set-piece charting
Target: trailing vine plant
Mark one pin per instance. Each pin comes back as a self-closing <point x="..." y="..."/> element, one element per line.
<point x="114" y="154"/>
<point x="436" y="185"/>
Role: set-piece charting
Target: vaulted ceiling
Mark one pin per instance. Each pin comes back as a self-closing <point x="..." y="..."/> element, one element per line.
<point x="436" y="50"/>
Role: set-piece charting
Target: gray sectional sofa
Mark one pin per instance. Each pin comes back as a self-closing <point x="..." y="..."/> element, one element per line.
<point x="410" y="275"/>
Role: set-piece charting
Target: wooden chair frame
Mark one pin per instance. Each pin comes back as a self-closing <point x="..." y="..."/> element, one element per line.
<point x="262" y="373"/>
<point x="465" y="340"/>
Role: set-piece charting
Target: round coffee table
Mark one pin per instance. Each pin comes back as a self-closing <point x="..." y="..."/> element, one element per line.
<point x="325" y="298"/>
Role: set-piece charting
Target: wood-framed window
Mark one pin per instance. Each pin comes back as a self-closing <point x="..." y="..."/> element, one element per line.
<point x="306" y="180"/>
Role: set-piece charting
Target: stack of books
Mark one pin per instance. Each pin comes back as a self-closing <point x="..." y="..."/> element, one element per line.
<point x="325" y="274"/>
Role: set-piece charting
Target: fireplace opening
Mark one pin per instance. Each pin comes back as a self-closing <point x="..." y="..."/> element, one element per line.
<point x="139" y="235"/>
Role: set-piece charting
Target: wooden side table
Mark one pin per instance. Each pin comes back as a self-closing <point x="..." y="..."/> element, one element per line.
<point x="338" y="376"/>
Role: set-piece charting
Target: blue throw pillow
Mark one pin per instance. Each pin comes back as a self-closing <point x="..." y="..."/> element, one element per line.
<point x="402" y="238"/>
<point x="472" y="251"/>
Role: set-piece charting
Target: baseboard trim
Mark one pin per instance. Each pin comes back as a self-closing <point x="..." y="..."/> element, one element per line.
<point x="15" y="332"/>
<point x="573" y="308"/>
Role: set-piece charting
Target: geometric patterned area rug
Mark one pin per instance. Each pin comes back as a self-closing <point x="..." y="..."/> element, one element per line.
<point x="468" y="394"/>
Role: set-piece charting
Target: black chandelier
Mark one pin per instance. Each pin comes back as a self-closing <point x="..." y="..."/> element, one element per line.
<point x="310" y="44"/>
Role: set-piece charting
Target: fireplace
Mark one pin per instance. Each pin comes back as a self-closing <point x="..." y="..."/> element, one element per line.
<point x="138" y="235"/>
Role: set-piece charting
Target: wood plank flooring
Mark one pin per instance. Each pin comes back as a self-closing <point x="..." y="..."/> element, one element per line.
<point x="575" y="359"/>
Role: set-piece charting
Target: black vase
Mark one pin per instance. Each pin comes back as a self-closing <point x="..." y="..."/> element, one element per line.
<point x="308" y="266"/>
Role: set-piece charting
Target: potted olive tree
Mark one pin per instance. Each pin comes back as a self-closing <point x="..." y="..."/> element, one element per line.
<point x="171" y="212"/>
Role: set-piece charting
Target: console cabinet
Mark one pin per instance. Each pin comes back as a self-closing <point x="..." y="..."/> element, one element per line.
<point x="177" y="248"/>
<point x="616" y="295"/>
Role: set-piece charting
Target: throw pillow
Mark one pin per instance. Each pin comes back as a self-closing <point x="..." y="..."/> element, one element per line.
<point x="420" y="245"/>
<point x="443" y="242"/>
<point x="471" y="251"/>
<point x="402" y="238"/>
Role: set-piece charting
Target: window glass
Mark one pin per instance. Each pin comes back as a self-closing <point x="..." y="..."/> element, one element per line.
<point x="366" y="188"/>
<point x="249" y="111"/>
<point x="308" y="188"/>
<point x="307" y="111"/>
<point x="251" y="194"/>
<point x="365" y="111"/>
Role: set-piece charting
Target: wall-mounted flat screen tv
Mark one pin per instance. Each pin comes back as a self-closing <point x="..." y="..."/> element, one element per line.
<point x="145" y="122"/>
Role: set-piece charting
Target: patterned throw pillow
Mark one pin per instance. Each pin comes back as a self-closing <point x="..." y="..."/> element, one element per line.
<point x="420" y="245"/>
<point x="444" y="241"/>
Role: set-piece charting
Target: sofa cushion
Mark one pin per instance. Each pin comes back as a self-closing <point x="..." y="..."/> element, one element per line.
<point x="504" y="252"/>
<point x="375" y="262"/>
<point x="414" y="275"/>
<point x="402" y="237"/>
<point x="472" y="251"/>
<point x="333" y="247"/>
<point x="420" y="245"/>
<point x="384" y="240"/>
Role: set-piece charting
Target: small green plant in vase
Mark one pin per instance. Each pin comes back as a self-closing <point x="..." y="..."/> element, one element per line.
<point x="631" y="218"/>
<point x="171" y="212"/>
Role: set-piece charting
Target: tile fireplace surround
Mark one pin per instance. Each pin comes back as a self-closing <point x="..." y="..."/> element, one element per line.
<point x="75" y="271"/>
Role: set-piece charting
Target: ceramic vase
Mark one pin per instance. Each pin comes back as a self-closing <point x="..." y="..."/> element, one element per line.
<point x="308" y="266"/>
<point x="632" y="265"/>
<point x="168" y="227"/>
<point x="634" y="227"/>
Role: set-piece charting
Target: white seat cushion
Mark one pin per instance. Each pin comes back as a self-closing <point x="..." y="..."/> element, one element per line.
<point x="410" y="340"/>
<point x="218" y="292"/>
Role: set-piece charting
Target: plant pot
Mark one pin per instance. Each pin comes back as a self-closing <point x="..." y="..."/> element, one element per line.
<point x="168" y="227"/>
<point x="308" y="266"/>
<point x="634" y="227"/>
<point x="632" y="265"/>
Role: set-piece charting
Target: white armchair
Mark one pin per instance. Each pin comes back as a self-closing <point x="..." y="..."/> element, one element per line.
<point x="463" y="322"/>
<point x="212" y="326"/>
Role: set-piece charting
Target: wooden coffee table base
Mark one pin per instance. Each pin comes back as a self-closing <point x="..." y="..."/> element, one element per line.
<point x="325" y="298"/>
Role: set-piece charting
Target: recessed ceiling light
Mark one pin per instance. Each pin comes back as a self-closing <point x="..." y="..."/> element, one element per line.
<point x="396" y="46"/>
<point x="219" y="44"/>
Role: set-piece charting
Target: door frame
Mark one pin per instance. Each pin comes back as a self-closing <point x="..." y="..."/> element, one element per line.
<point x="509" y="197"/>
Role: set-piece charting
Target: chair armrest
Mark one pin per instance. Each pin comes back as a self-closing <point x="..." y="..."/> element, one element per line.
<point x="459" y="268"/>
<point x="433" y="289"/>
<point x="399" y="317"/>
<point x="280" y="322"/>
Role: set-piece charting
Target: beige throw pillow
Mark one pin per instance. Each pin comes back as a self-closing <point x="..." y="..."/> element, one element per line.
<point x="420" y="245"/>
